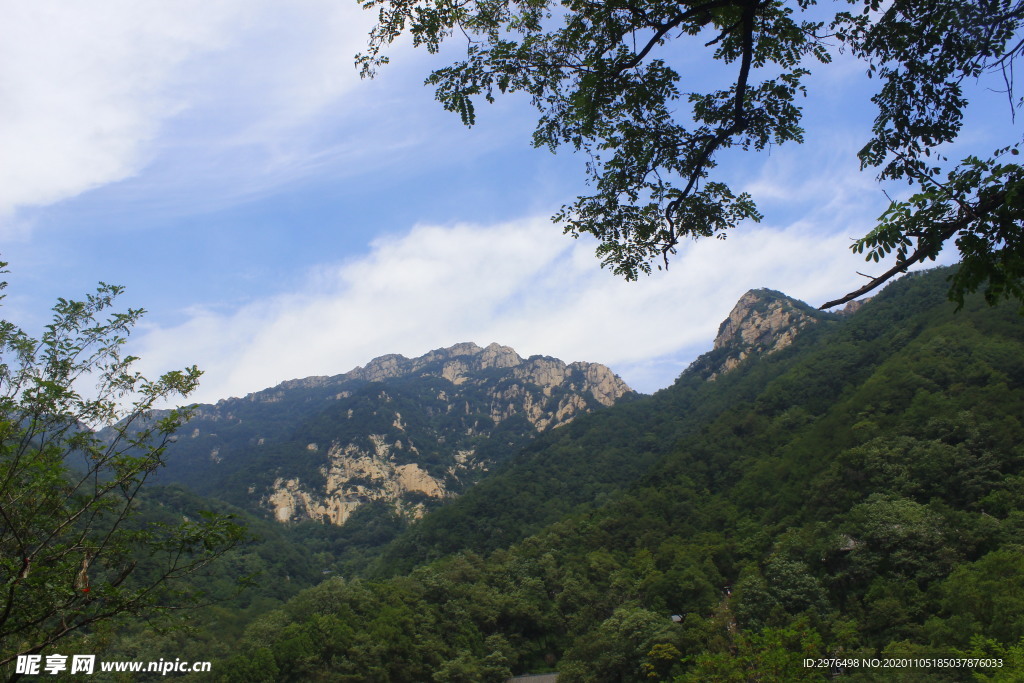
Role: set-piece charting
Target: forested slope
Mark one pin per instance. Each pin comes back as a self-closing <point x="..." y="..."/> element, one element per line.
<point x="264" y="569"/>
<point x="859" y="493"/>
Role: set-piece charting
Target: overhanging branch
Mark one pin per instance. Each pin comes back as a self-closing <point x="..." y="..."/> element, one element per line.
<point x="929" y="249"/>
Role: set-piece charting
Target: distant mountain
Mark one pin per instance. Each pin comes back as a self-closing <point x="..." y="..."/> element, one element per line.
<point x="408" y="433"/>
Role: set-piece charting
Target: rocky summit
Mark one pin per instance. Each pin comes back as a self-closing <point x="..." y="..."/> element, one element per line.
<point x="763" y="321"/>
<point x="406" y="432"/>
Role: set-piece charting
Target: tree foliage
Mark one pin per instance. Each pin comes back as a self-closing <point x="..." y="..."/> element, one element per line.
<point x="605" y="79"/>
<point x="71" y="557"/>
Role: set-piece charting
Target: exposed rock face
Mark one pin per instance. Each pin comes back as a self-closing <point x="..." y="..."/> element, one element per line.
<point x="406" y="432"/>
<point x="458" y="360"/>
<point x="352" y="477"/>
<point x="852" y="307"/>
<point x="762" y="321"/>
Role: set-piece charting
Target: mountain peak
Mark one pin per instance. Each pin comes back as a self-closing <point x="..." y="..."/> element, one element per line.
<point x="494" y="355"/>
<point x="454" y="361"/>
<point x="762" y="321"/>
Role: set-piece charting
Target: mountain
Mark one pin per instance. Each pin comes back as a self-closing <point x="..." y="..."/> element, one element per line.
<point x="855" y="494"/>
<point x="763" y="321"/>
<point x="405" y="433"/>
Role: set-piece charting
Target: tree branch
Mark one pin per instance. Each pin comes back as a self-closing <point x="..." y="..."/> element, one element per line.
<point x="949" y="228"/>
<point x="662" y="30"/>
<point x="739" y="121"/>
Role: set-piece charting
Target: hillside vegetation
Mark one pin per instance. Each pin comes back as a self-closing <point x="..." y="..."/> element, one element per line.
<point x="858" y="493"/>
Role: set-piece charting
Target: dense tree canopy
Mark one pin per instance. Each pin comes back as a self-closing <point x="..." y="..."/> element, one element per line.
<point x="603" y="78"/>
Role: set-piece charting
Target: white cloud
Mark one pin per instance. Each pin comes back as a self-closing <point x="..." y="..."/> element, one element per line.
<point x="519" y="283"/>
<point x="87" y="89"/>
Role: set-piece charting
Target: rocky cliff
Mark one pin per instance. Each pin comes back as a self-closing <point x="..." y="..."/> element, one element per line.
<point x="406" y="432"/>
<point x="762" y="321"/>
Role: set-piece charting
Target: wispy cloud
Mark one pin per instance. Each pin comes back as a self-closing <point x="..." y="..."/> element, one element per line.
<point x="90" y="91"/>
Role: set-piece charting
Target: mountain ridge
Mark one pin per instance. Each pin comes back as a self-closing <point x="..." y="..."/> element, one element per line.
<point x="494" y="355"/>
<point x="410" y="432"/>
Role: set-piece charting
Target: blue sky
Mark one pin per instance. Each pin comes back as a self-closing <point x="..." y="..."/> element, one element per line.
<point x="280" y="218"/>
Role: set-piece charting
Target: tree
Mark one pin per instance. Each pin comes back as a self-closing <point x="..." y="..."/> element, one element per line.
<point x="624" y="647"/>
<point x="71" y="557"/>
<point x="772" y="654"/>
<point x="600" y="74"/>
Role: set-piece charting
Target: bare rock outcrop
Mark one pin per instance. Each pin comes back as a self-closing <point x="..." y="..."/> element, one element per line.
<point x="763" y="321"/>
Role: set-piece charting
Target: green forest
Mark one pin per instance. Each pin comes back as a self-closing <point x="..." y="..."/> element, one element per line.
<point x="858" y="495"/>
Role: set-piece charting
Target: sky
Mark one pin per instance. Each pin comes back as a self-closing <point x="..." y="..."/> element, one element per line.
<point x="278" y="217"/>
